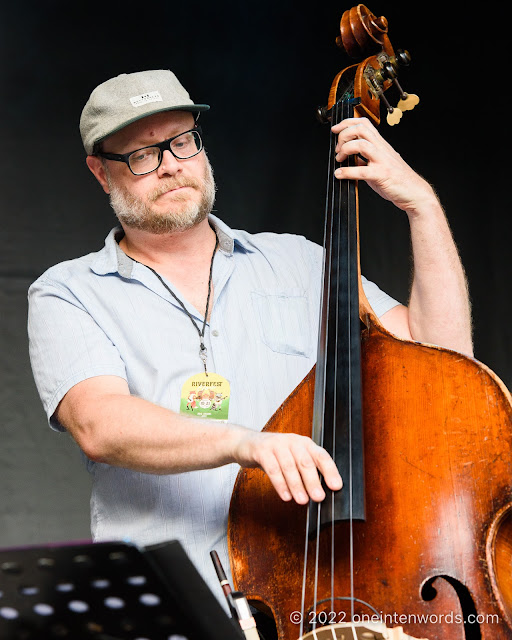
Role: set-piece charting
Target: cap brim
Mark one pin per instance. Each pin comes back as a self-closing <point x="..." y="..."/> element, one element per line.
<point x="192" y="108"/>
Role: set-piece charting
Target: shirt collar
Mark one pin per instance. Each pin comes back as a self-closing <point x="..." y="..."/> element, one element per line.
<point x="112" y="259"/>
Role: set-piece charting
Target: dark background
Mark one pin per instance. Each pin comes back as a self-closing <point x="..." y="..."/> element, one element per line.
<point x="263" y="67"/>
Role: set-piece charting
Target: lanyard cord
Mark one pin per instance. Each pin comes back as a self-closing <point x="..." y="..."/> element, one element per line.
<point x="203" y="352"/>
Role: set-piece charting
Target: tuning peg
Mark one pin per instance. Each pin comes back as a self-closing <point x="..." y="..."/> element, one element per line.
<point x="394" y="116"/>
<point x="322" y="114"/>
<point x="394" y="113"/>
<point x="403" y="57"/>
<point x="408" y="101"/>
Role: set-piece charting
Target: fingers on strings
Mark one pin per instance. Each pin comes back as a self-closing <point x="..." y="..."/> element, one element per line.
<point x="357" y="137"/>
<point x="294" y="472"/>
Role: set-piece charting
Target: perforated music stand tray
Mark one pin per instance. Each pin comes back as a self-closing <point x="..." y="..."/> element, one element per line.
<point x="107" y="591"/>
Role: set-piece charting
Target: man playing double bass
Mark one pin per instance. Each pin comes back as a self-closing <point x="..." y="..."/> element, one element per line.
<point x="166" y="352"/>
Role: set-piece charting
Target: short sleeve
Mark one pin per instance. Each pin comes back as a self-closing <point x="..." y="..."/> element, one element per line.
<point x="66" y="345"/>
<point x="379" y="300"/>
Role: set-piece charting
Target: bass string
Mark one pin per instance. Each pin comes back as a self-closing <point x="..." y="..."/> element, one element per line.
<point x="304" y="578"/>
<point x="344" y="218"/>
<point x="328" y="248"/>
<point x="335" y="256"/>
<point x="337" y="210"/>
<point x="341" y="197"/>
<point x="348" y="112"/>
<point x="319" y="413"/>
<point x="333" y="247"/>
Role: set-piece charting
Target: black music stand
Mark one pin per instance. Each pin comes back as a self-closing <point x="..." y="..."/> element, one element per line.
<point x="107" y="591"/>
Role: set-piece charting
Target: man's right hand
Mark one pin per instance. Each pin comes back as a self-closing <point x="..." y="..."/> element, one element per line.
<point x="292" y="463"/>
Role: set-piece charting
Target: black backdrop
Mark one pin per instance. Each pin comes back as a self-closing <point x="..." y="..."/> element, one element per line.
<point x="264" y="67"/>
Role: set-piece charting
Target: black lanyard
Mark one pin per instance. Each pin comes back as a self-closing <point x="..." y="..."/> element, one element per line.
<point x="202" y="349"/>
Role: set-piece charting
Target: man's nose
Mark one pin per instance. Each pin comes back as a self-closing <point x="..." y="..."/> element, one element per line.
<point x="169" y="165"/>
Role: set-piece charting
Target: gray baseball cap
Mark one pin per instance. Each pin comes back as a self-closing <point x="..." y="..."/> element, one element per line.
<point x="129" y="97"/>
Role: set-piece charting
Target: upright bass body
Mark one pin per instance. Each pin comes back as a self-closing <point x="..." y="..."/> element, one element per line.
<point x="430" y="550"/>
<point x="435" y="552"/>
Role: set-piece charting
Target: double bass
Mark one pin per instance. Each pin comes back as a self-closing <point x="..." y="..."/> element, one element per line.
<point x="419" y="540"/>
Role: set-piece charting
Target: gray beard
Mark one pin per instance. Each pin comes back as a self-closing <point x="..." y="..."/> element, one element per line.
<point x="136" y="213"/>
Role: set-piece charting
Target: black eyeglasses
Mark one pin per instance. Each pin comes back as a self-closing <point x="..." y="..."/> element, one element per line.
<point x="141" y="161"/>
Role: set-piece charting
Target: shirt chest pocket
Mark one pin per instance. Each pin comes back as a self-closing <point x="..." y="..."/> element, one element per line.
<point x="283" y="320"/>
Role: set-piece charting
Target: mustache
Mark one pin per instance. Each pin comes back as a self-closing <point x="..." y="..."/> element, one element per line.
<point x="173" y="183"/>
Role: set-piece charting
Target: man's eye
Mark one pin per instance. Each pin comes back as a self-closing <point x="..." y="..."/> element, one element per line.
<point x="186" y="141"/>
<point x="143" y="155"/>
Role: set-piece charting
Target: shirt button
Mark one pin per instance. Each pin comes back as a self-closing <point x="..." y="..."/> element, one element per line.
<point x="215" y="333"/>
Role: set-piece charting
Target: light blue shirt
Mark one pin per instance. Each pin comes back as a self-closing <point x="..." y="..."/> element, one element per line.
<point x="104" y="314"/>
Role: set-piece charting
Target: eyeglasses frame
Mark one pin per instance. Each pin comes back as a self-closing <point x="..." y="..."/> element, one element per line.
<point x="165" y="145"/>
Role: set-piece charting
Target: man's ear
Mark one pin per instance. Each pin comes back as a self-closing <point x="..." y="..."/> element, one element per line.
<point x="98" y="169"/>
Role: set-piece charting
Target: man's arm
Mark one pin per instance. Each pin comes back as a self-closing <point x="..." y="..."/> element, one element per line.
<point x="439" y="309"/>
<point x="114" y="427"/>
